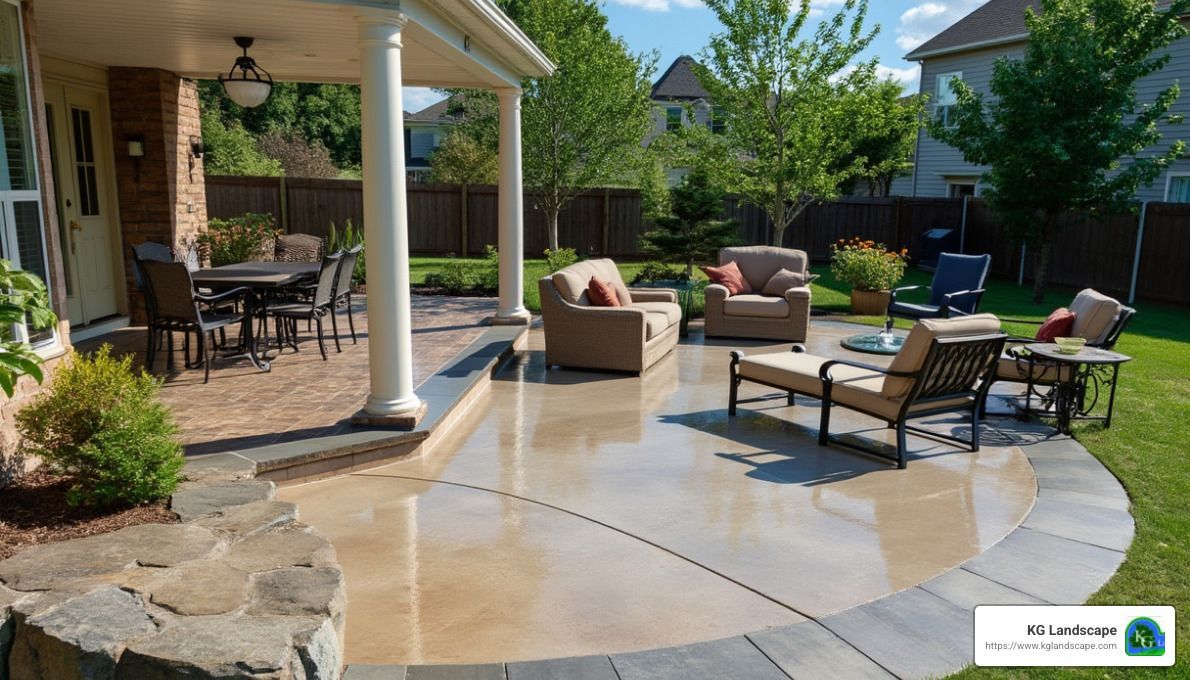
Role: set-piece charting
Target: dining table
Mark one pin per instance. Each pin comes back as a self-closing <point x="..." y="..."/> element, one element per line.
<point x="265" y="280"/>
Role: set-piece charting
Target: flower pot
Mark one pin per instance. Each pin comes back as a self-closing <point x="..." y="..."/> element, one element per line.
<point x="869" y="302"/>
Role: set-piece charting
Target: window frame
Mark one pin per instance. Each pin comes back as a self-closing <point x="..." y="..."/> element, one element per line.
<point x="1169" y="178"/>
<point x="10" y="248"/>
<point x="942" y="110"/>
<point x="672" y="125"/>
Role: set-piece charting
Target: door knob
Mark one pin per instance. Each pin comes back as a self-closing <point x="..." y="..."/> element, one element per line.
<point x="75" y="226"/>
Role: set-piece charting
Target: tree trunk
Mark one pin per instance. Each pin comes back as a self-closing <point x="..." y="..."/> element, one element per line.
<point x="553" y="215"/>
<point x="1041" y="265"/>
<point x="779" y="223"/>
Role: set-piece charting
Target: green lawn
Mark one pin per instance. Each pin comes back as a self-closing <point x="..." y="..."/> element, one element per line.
<point x="1146" y="446"/>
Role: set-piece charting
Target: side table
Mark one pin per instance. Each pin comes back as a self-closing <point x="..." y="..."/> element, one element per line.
<point x="1076" y="391"/>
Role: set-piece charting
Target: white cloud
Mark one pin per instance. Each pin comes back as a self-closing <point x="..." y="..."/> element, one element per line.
<point x="908" y="77"/>
<point x="414" y="99"/>
<point x="924" y="21"/>
<point x="818" y="8"/>
<point x="659" y="5"/>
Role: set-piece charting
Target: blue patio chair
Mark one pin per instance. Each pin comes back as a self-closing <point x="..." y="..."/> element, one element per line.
<point x="955" y="291"/>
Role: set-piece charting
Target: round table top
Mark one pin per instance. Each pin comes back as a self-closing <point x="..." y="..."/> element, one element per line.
<point x="1086" y="355"/>
<point x="872" y="343"/>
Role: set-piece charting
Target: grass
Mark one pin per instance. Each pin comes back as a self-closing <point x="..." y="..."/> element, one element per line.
<point x="1145" y="447"/>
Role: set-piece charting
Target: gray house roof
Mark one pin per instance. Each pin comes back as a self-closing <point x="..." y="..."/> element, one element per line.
<point x="995" y="23"/>
<point x="679" y="81"/>
<point x="435" y="113"/>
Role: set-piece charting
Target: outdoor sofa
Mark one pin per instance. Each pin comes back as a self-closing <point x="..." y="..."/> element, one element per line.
<point x="944" y="366"/>
<point x="784" y="317"/>
<point x="629" y="338"/>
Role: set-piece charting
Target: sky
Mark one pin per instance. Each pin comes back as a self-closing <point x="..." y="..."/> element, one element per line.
<point x="677" y="27"/>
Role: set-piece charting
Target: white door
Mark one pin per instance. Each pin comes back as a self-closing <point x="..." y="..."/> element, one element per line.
<point x="86" y="213"/>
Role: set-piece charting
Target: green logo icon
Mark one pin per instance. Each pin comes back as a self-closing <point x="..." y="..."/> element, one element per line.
<point x="1143" y="637"/>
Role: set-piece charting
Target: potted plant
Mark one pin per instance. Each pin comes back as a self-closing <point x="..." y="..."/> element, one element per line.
<point x="871" y="270"/>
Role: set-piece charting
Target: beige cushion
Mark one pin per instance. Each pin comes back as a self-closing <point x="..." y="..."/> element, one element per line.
<point x="784" y="280"/>
<point x="671" y="311"/>
<point x="868" y="396"/>
<point x="1010" y="369"/>
<point x="571" y="287"/>
<point x="751" y="304"/>
<point x="1094" y="313"/>
<point x="759" y="263"/>
<point x="582" y="272"/>
<point x="655" y="324"/>
<point x="798" y="371"/>
<point x="913" y="354"/>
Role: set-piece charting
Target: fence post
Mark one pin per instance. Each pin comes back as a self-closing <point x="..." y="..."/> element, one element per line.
<point x="283" y="196"/>
<point x="963" y="227"/>
<point x="1020" y="277"/>
<point x="607" y="209"/>
<point x="463" y="219"/>
<point x="1140" y="237"/>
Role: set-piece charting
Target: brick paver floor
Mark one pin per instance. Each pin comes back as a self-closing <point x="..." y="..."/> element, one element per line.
<point x="302" y="396"/>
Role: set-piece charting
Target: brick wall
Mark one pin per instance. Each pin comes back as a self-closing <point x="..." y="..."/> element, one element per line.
<point x="162" y="194"/>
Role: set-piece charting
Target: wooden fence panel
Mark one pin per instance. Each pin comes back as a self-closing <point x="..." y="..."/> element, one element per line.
<point x="234" y="196"/>
<point x="435" y="219"/>
<point x="985" y="235"/>
<point x="1164" y="274"/>
<point x="1094" y="253"/>
<point x="313" y="204"/>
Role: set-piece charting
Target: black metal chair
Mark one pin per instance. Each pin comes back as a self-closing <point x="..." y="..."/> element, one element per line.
<point x="299" y="248"/>
<point x="151" y="251"/>
<point x="321" y="303"/>
<point x="956" y="289"/>
<point x="177" y="307"/>
<point x="343" y="290"/>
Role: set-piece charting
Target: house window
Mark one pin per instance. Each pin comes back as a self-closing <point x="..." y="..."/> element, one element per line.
<point x="716" y="120"/>
<point x="1177" y="189"/>
<point x="421" y="144"/>
<point x="960" y="189"/>
<point x="22" y="234"/>
<point x="673" y="118"/>
<point x="945" y="99"/>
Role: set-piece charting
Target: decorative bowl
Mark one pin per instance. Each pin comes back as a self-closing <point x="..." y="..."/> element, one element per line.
<point x="1070" y="345"/>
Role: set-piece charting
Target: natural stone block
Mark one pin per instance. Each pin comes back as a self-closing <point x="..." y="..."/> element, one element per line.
<point x="280" y="549"/>
<point x="195" y="499"/>
<point x="253" y="518"/>
<point x="81" y="638"/>
<point x="300" y="591"/>
<point x="230" y="646"/>
<point x="203" y="588"/>
<point x="320" y="650"/>
<point x="152" y="545"/>
<point x="7" y="598"/>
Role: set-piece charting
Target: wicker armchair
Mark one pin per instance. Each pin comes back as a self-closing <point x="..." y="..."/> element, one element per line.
<point x="754" y="315"/>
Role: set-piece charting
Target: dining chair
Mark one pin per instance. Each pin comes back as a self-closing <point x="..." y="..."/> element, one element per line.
<point x="287" y="313"/>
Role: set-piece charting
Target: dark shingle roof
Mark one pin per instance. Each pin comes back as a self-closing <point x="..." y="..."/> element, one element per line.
<point x="436" y="113"/>
<point x="995" y="21"/>
<point x="679" y="81"/>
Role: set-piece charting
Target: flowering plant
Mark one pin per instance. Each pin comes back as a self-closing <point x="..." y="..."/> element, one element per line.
<point x="867" y="265"/>
<point x="239" y="239"/>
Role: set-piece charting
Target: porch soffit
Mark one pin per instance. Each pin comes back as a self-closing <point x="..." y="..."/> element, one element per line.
<point x="296" y="40"/>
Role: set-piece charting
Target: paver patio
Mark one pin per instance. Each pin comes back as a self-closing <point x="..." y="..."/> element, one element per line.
<point x="573" y="513"/>
<point x="302" y="397"/>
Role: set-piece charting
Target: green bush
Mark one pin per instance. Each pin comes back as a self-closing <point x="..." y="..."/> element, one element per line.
<point x="456" y="277"/>
<point x="246" y="238"/>
<point x="102" y="425"/>
<point x="488" y="277"/>
<point x="23" y="299"/>
<point x="560" y="258"/>
<point x="349" y="237"/>
<point x="656" y="271"/>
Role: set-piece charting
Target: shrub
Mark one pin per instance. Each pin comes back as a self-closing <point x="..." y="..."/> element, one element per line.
<point x="349" y="237"/>
<point x="656" y="271"/>
<point x="457" y="276"/>
<point x="560" y="258"/>
<point x="102" y="425"/>
<point x="866" y="265"/>
<point x="239" y="239"/>
<point x="488" y="276"/>
<point x="23" y="298"/>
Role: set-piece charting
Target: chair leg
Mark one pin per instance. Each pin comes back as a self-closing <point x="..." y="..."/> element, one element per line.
<point x="321" y="343"/>
<point x="335" y="327"/>
<point x="901" y="445"/>
<point x="975" y="427"/>
<point x="151" y="351"/>
<point x="350" y="321"/>
<point x="790" y="399"/>
<point x="207" y="360"/>
<point x="825" y="423"/>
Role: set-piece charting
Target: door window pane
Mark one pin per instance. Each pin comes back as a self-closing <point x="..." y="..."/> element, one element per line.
<point x="84" y="162"/>
<point x="16" y="145"/>
<point x="27" y="220"/>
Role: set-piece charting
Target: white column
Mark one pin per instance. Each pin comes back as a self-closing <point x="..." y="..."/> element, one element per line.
<point x="390" y="341"/>
<point x="511" y="209"/>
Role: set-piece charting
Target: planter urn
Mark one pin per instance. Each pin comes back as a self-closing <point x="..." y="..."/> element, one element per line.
<point x="869" y="302"/>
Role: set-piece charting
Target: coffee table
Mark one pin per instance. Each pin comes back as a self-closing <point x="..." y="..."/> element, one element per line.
<point x="874" y="343"/>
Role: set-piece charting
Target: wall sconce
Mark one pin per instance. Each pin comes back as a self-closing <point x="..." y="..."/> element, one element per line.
<point x="136" y="151"/>
<point x="197" y="149"/>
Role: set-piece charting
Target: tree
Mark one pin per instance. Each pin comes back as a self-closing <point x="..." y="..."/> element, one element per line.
<point x="693" y="233"/>
<point x="298" y="157"/>
<point x="461" y="159"/>
<point x="885" y="134"/>
<point x="231" y="150"/>
<point x="582" y="126"/>
<point x="786" y="101"/>
<point x="1064" y="130"/>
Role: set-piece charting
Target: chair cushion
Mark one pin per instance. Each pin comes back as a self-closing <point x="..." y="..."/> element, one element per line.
<point x="913" y="354"/>
<point x="759" y="263"/>
<point x="1094" y="313"/>
<point x="1057" y="325"/>
<point x="578" y="274"/>
<point x="956" y="273"/>
<point x="570" y="286"/>
<point x="656" y="323"/>
<point x="1012" y="370"/>
<point x="751" y="304"/>
<point x="672" y="312"/>
<point x="868" y="395"/>
<point x="913" y="311"/>
<point x="783" y="280"/>
<point x="601" y="293"/>
<point x="729" y="276"/>
<point x="798" y="371"/>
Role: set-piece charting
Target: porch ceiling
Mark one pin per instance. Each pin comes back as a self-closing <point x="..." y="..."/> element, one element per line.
<point x="296" y="40"/>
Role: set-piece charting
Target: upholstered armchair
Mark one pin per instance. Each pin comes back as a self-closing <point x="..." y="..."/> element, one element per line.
<point x="783" y="317"/>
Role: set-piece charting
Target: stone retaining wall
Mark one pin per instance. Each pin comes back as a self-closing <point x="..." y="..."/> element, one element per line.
<point x="238" y="589"/>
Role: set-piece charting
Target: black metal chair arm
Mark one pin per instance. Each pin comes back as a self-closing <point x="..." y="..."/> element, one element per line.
<point x="961" y="293"/>
<point x="825" y="371"/>
<point x="219" y="297"/>
<point x="903" y="289"/>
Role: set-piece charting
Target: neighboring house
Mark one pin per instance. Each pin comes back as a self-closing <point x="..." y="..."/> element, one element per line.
<point x="967" y="51"/>
<point x="679" y="101"/>
<point x="424" y="132"/>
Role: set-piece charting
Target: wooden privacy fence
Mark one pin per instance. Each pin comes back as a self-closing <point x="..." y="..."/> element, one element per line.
<point x="1114" y="254"/>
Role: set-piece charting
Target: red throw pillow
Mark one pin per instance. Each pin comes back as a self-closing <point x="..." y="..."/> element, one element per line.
<point x="1058" y="325"/>
<point x="601" y="293"/>
<point x="730" y="276"/>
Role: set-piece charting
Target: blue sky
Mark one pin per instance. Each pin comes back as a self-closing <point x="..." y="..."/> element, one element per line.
<point x="677" y="27"/>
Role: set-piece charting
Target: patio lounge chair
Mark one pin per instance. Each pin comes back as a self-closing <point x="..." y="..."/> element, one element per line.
<point x="629" y="338"/>
<point x="783" y="317"/>
<point x="944" y="366"/>
<point x="955" y="291"/>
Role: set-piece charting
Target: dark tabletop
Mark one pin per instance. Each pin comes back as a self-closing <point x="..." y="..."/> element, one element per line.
<point x="1086" y="355"/>
<point x="256" y="274"/>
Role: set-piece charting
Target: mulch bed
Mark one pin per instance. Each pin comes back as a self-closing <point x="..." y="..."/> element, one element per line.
<point x="33" y="510"/>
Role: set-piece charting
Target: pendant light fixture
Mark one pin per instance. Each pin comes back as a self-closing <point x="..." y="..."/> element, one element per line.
<point x="246" y="83"/>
